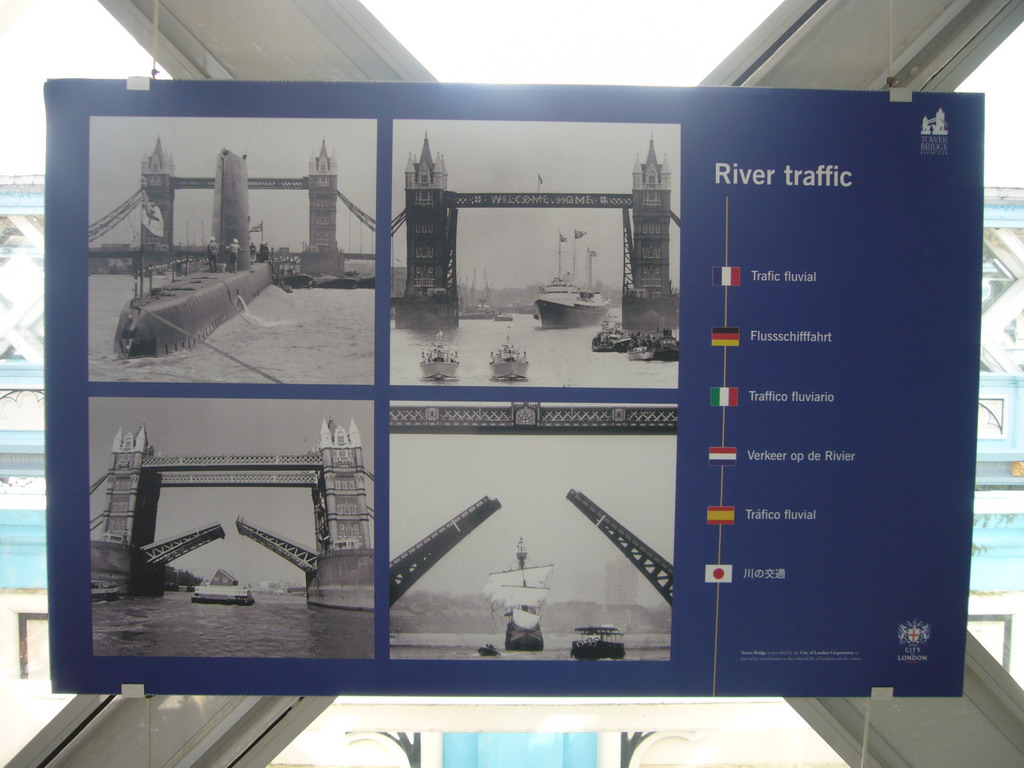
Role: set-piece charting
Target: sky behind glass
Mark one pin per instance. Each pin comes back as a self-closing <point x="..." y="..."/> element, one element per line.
<point x="665" y="43"/>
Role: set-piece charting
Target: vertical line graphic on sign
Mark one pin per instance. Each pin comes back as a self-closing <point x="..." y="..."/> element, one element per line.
<point x="725" y="397"/>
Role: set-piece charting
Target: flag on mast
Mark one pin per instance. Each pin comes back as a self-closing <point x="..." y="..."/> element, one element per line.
<point x="152" y="219"/>
<point x="577" y="234"/>
<point x="561" y="237"/>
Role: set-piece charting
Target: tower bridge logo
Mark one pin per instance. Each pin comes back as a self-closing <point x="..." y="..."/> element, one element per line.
<point x="935" y="134"/>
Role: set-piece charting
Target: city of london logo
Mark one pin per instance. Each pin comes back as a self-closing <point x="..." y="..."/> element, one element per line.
<point x="913" y="635"/>
<point x="935" y="134"/>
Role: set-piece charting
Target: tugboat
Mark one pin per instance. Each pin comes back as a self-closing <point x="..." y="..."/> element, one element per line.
<point x="606" y="339"/>
<point x="598" y="642"/>
<point x="508" y="362"/>
<point x="103" y="591"/>
<point x="481" y="311"/>
<point x="666" y="346"/>
<point x="439" y="361"/>
<point x="663" y="346"/>
<point x="519" y="593"/>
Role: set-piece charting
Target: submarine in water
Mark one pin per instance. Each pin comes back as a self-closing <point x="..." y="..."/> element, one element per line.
<point x="181" y="314"/>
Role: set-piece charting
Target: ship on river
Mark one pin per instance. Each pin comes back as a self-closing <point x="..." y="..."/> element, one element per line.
<point x="223" y="589"/>
<point x="183" y="313"/>
<point x="563" y="304"/>
<point x="518" y="593"/>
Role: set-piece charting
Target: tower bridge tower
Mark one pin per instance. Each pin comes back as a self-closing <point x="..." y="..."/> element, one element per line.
<point x="430" y="291"/>
<point x="344" y="561"/>
<point x="157" y="173"/>
<point x="323" y="202"/>
<point x="650" y="301"/>
<point x="343" y="488"/>
<point x="129" y="518"/>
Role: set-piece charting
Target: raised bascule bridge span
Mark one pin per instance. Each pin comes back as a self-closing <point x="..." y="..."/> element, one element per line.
<point x="655" y="568"/>
<point x="339" y="571"/>
<point x="530" y="418"/>
<point x="410" y="566"/>
<point x="415" y="562"/>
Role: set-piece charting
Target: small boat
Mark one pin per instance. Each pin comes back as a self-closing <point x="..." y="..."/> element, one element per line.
<point x="350" y="280"/>
<point x="608" y="336"/>
<point x="641" y="352"/>
<point x="298" y="280"/>
<point x="103" y="591"/>
<point x="622" y="345"/>
<point x="598" y="642"/>
<point x="223" y="589"/>
<point x="482" y="311"/>
<point x="663" y="346"/>
<point x="508" y="362"/>
<point x="488" y="650"/>
<point x="223" y="595"/>
<point x="439" y="361"/>
<point x="504" y="317"/>
<point x="666" y="346"/>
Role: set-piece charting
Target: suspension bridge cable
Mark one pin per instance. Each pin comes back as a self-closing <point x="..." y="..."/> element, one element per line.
<point x="103" y="225"/>
<point x="94" y="486"/>
<point x="364" y="217"/>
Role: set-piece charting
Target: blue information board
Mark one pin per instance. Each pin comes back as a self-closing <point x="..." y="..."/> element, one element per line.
<point x="384" y="388"/>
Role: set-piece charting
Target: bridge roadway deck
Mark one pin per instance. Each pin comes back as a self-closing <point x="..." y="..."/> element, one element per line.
<point x="534" y="417"/>
<point x="266" y="470"/>
<point x="264" y="462"/>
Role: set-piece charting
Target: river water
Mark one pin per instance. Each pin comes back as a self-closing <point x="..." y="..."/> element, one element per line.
<point x="322" y="336"/>
<point x="277" y="626"/>
<point x="425" y="645"/>
<point x="314" y="336"/>
<point x="559" y="357"/>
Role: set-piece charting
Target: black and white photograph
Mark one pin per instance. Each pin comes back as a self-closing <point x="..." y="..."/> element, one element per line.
<point x="535" y="253"/>
<point x="231" y="249"/>
<point x="231" y="527"/>
<point x="522" y="543"/>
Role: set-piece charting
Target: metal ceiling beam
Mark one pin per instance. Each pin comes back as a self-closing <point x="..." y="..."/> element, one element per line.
<point x="846" y="44"/>
<point x="984" y="727"/>
<point x="298" y="40"/>
<point x="173" y="731"/>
